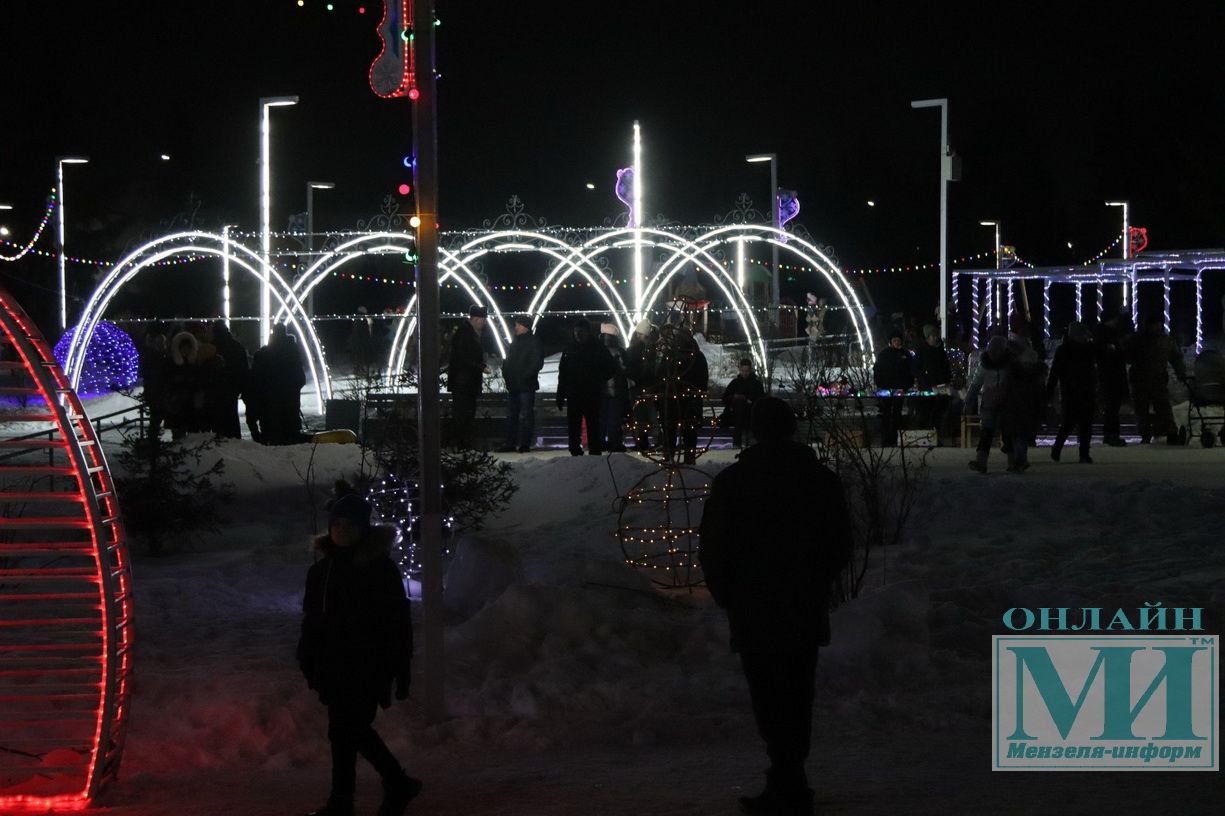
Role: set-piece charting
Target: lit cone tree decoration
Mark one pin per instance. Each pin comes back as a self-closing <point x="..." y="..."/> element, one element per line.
<point x="396" y="502"/>
<point x="658" y="518"/>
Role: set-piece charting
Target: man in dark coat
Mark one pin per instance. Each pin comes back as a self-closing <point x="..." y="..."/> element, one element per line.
<point x="584" y="369"/>
<point x="520" y="372"/>
<point x="932" y="373"/>
<point x="684" y="376"/>
<point x="1074" y="371"/>
<point x="1112" y="373"/>
<point x="772" y="569"/>
<point x="356" y="646"/>
<point x="232" y="380"/>
<point x="275" y="384"/>
<point x="893" y="371"/>
<point x="614" y="401"/>
<point x="642" y="362"/>
<point x="465" y="367"/>
<point x="738" y="399"/>
<point x="1149" y="352"/>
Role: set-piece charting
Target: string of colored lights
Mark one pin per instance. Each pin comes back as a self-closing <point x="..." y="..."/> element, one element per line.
<point x="38" y="231"/>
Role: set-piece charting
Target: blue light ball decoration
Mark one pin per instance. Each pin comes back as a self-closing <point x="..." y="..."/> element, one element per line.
<point x="396" y="502"/>
<point x="111" y="360"/>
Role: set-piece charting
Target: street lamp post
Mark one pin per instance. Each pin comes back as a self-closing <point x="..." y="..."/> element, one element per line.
<point x="265" y="209"/>
<point x="311" y="187"/>
<point x="947" y="174"/>
<point x="1126" y="250"/>
<point x="4" y="231"/>
<point x="773" y="159"/>
<point x="59" y="235"/>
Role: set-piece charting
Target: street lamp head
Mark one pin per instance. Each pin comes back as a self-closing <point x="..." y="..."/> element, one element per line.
<point x="989" y="223"/>
<point x="6" y="206"/>
<point x="73" y="160"/>
<point x="754" y="158"/>
<point x="1116" y="203"/>
<point x="165" y="157"/>
<point x="278" y="101"/>
<point x="929" y="103"/>
<point x="321" y="185"/>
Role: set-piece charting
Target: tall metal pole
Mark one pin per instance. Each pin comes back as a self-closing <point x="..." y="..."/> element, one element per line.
<point x="778" y="316"/>
<point x="61" y="219"/>
<point x="1127" y="255"/>
<point x="311" y="187"/>
<point x="946" y="174"/>
<point x="265" y="210"/>
<point x="425" y="140"/>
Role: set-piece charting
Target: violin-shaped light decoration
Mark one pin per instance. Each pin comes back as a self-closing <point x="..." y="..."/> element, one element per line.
<point x="788" y="207"/>
<point x="625" y="192"/>
<point x="391" y="73"/>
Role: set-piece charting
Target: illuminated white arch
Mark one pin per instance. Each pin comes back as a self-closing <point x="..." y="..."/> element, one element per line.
<point x="684" y="250"/>
<point x="808" y="253"/>
<point x="205" y="243"/>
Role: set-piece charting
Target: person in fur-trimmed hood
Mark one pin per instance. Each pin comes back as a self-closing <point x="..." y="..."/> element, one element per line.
<point x="356" y="645"/>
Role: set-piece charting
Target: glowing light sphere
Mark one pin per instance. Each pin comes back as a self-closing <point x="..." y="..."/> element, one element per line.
<point x="414" y="222"/>
<point x="414" y="94"/>
<point x="657" y="525"/>
<point x="111" y="360"/>
<point x="405" y="189"/>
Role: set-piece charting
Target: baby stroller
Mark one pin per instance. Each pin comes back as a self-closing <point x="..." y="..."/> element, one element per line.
<point x="1206" y="389"/>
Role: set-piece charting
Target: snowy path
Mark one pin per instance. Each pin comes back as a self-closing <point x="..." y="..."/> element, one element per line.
<point x="573" y="696"/>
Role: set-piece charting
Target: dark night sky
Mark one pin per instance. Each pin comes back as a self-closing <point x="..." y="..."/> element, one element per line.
<point x="1054" y="107"/>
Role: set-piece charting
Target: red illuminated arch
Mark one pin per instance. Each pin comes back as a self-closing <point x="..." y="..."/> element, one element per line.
<point x="65" y="586"/>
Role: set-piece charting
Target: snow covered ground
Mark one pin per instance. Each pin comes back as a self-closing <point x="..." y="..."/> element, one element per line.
<point x="575" y="687"/>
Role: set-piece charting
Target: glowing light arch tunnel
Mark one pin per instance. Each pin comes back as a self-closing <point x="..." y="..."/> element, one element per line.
<point x="200" y="243"/>
<point x="65" y="587"/>
<point x="568" y="259"/>
<point x="581" y="260"/>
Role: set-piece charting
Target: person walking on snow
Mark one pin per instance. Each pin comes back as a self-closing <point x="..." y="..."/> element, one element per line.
<point x="584" y="369"/>
<point x="465" y="367"/>
<point x="988" y="397"/>
<point x="356" y="646"/>
<point x="773" y="571"/>
<point x="1149" y="352"/>
<point x="1074" y="371"/>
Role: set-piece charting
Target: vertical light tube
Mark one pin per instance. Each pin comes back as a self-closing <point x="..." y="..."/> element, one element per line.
<point x="740" y="264"/>
<point x="1101" y="301"/>
<point x="1166" y="295"/>
<point x="1199" y="313"/>
<point x="265" y="226"/>
<point x="1046" y="309"/>
<point x="637" y="222"/>
<point x="1080" y="300"/>
<point x="975" y="283"/>
<point x="225" y="274"/>
<point x="59" y="189"/>
<point x="1011" y="305"/>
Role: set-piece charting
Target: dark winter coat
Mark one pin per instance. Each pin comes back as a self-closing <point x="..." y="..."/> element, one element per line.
<point x="237" y="366"/>
<point x="273" y="390"/>
<point x="1074" y="371"/>
<point x="894" y="369"/>
<point x="642" y="359"/>
<point x="466" y="362"/>
<point x="1149" y="353"/>
<point x="1111" y="361"/>
<point x="932" y="366"/>
<point x="1026" y="400"/>
<point x="584" y="369"/>
<point x="749" y="387"/>
<point x="764" y="559"/>
<point x="357" y="634"/>
<point x="523" y="362"/>
<point x="690" y="368"/>
<point x="618" y="386"/>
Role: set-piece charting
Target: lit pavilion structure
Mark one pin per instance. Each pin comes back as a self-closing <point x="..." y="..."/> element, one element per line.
<point x="994" y="293"/>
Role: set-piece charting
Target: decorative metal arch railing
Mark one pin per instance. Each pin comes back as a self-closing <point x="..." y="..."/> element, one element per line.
<point x="65" y="586"/>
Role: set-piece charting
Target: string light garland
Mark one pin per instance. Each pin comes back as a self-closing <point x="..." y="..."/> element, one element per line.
<point x="38" y="231"/>
<point x="397" y="504"/>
